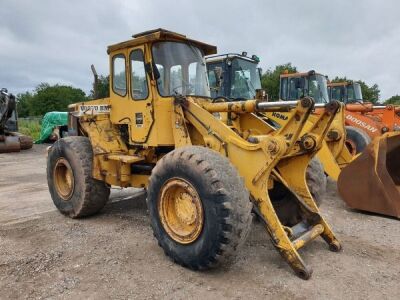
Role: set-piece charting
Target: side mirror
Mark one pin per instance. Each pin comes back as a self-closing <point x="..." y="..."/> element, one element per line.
<point x="218" y="76"/>
<point x="152" y="70"/>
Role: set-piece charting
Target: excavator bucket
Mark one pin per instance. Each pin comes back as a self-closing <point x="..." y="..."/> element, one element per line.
<point x="372" y="181"/>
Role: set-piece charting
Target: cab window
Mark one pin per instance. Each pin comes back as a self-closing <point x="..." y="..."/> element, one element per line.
<point x="336" y="93"/>
<point x="160" y="81"/>
<point x="139" y="88"/>
<point x="295" y="92"/>
<point x="119" y="75"/>
<point x="175" y="84"/>
<point x="284" y="88"/>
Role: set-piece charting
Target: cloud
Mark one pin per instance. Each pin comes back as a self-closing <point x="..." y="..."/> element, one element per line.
<point x="56" y="41"/>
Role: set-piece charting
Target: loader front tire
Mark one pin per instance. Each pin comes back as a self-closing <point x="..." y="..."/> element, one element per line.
<point x="356" y="139"/>
<point x="69" y="176"/>
<point x="199" y="207"/>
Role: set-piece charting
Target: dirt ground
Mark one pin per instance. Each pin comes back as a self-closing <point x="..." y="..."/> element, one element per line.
<point x="114" y="255"/>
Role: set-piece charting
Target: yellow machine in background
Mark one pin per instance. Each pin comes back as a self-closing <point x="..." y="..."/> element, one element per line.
<point x="205" y="164"/>
<point x="237" y="76"/>
<point x="333" y="154"/>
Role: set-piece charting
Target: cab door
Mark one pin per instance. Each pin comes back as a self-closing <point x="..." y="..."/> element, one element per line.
<point x="133" y="105"/>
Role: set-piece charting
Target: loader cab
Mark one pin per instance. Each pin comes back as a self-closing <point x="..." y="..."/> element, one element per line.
<point x="235" y="76"/>
<point x="346" y="92"/>
<point x="298" y="85"/>
<point x="147" y="73"/>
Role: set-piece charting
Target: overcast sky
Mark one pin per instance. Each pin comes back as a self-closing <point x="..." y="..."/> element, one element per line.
<point x="57" y="41"/>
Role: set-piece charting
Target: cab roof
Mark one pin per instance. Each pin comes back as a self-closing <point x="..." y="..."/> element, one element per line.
<point x="222" y="57"/>
<point x="342" y="83"/>
<point x="300" y="74"/>
<point x="161" y="34"/>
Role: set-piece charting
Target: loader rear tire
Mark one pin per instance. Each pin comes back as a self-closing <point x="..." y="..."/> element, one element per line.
<point x="356" y="139"/>
<point x="316" y="180"/>
<point x="284" y="201"/>
<point x="69" y="176"/>
<point x="215" y="220"/>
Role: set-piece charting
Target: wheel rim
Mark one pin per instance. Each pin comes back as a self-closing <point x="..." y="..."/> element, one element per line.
<point x="180" y="210"/>
<point x="63" y="179"/>
<point x="351" y="146"/>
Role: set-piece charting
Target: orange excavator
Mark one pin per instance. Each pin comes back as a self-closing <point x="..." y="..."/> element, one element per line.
<point x="364" y="120"/>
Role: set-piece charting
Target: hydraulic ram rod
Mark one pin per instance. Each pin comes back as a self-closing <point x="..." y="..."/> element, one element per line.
<point x="254" y="106"/>
<point x="276" y="106"/>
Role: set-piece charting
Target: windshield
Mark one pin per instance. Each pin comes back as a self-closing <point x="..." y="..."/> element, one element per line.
<point x="245" y="79"/>
<point x="318" y="89"/>
<point x="354" y="92"/>
<point x="337" y="93"/>
<point x="182" y="69"/>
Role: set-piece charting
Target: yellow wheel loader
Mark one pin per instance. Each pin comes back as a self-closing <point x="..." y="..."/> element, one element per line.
<point x="204" y="164"/>
<point x="333" y="154"/>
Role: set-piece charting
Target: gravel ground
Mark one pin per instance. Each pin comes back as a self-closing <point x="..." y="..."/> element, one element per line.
<point x="114" y="255"/>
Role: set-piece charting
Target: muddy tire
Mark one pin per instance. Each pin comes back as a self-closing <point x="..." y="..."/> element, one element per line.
<point x="69" y="176"/>
<point x="356" y="139"/>
<point x="284" y="201"/>
<point x="316" y="180"/>
<point x="220" y="207"/>
<point x="25" y="141"/>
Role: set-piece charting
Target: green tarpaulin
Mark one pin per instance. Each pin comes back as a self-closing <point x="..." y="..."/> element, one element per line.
<point x="49" y="122"/>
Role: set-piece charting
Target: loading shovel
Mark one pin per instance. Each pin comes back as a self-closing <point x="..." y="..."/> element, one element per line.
<point x="372" y="181"/>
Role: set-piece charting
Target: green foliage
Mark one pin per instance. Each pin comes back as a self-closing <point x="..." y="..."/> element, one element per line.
<point x="393" y="100"/>
<point x="270" y="79"/>
<point x="30" y="127"/>
<point x="24" y="101"/>
<point x="339" y="79"/>
<point x="101" y="89"/>
<point x="47" y="98"/>
<point x="370" y="93"/>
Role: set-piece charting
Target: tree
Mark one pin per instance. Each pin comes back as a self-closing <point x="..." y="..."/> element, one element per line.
<point x="24" y="104"/>
<point x="370" y="93"/>
<point x="102" y="88"/>
<point x="270" y="79"/>
<point x="339" y="79"/>
<point x="47" y="98"/>
<point x="393" y="100"/>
